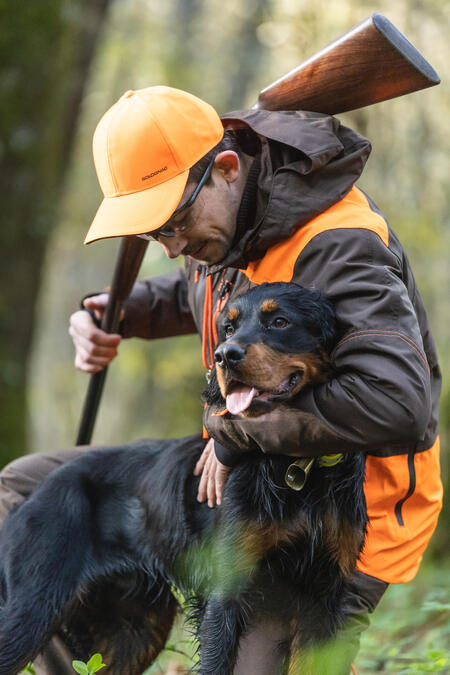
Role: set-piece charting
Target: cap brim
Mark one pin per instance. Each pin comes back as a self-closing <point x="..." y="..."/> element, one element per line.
<point x="138" y="212"/>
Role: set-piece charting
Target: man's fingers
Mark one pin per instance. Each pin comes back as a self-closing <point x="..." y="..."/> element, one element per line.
<point x="211" y="484"/>
<point x="86" y="367"/>
<point x="220" y="482"/>
<point x="96" y="301"/>
<point x="201" y="462"/>
<point x="221" y="478"/>
<point x="94" y="349"/>
<point x="201" y="494"/>
<point x="88" y="356"/>
<point x="203" y="457"/>
<point x="213" y="476"/>
<point x="98" y="304"/>
<point x="82" y="324"/>
<point x="203" y="485"/>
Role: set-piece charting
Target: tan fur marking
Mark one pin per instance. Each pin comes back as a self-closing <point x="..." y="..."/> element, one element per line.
<point x="257" y="539"/>
<point x="265" y="368"/>
<point x="233" y="314"/>
<point x="222" y="380"/>
<point x="269" y="306"/>
<point x="342" y="542"/>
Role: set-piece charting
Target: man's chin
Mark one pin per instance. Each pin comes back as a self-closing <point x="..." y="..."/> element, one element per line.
<point x="209" y="253"/>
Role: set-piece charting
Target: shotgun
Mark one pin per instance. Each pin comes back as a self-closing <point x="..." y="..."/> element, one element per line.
<point x="372" y="62"/>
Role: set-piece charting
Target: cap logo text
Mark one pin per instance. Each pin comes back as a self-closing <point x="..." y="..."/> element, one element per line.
<point x="155" y="173"/>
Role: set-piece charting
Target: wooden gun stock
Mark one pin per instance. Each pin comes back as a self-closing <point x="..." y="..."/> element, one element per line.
<point x="372" y="62"/>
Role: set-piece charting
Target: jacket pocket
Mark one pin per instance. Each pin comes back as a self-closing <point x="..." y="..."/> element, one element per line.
<point x="404" y="497"/>
<point x="412" y="486"/>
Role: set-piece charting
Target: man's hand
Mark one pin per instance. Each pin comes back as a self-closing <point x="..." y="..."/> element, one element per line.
<point x="213" y="476"/>
<point x="94" y="349"/>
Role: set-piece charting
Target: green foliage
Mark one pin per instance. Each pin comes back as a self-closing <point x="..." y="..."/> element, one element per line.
<point x="92" y="666"/>
<point x="28" y="669"/>
<point x="410" y="629"/>
<point x="222" y="562"/>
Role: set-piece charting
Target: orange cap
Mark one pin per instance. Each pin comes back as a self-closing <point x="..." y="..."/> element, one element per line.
<point x="144" y="146"/>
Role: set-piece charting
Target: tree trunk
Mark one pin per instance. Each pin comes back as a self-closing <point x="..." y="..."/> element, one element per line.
<point x="46" y="49"/>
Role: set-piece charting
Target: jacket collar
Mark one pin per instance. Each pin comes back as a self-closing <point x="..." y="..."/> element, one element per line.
<point x="308" y="162"/>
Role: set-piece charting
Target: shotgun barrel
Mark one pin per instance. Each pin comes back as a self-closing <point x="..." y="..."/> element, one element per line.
<point x="129" y="259"/>
<point x="372" y="62"/>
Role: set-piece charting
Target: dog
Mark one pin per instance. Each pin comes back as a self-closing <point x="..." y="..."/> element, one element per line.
<point x="95" y="552"/>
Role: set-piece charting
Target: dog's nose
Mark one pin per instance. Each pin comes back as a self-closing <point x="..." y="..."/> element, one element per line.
<point x="230" y="355"/>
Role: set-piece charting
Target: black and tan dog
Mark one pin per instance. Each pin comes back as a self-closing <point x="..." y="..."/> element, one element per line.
<point x="274" y="341"/>
<point x="95" y="550"/>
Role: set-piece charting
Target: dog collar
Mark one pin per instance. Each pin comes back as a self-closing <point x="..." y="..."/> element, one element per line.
<point x="330" y="460"/>
<point x="297" y="472"/>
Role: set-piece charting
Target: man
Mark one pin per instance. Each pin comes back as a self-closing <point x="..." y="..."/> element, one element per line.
<point x="274" y="199"/>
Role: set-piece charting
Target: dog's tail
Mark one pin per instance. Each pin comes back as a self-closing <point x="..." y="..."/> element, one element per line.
<point x="44" y="553"/>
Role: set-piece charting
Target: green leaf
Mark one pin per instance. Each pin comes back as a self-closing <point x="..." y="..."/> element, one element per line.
<point x="435" y="654"/>
<point x="80" y="667"/>
<point x="95" y="663"/>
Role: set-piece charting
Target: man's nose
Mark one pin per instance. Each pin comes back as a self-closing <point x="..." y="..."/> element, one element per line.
<point x="229" y="355"/>
<point x="174" y="246"/>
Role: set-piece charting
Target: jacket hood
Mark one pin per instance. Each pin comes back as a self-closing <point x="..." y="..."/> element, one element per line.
<point x="308" y="162"/>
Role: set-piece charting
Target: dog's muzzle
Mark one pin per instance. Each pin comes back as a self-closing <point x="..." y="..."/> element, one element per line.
<point x="229" y="355"/>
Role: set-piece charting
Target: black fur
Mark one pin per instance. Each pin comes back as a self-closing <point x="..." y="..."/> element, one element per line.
<point x="95" y="549"/>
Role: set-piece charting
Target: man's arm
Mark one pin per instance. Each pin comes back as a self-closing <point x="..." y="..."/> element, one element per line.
<point x="380" y="396"/>
<point x="158" y="307"/>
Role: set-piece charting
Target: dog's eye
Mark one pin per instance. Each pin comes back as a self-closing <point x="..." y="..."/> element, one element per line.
<point x="279" y="322"/>
<point x="229" y="330"/>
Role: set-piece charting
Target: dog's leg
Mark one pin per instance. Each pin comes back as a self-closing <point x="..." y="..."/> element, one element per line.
<point x="316" y="646"/>
<point x="220" y="629"/>
<point x="42" y="560"/>
<point x="126" y="618"/>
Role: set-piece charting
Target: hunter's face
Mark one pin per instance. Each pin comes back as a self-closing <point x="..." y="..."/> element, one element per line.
<point x="208" y="226"/>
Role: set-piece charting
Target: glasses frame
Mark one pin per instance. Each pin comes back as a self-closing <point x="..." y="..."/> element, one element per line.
<point x="169" y="231"/>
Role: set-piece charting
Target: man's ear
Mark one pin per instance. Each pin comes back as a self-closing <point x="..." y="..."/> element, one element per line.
<point x="227" y="162"/>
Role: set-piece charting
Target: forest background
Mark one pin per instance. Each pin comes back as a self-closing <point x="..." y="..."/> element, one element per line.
<point x="62" y="64"/>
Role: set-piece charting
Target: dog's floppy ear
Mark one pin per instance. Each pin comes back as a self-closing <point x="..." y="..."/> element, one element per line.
<point x="212" y="394"/>
<point x="328" y="324"/>
<point x="319" y="314"/>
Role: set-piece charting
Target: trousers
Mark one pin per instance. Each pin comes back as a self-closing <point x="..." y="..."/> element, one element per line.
<point x="261" y="647"/>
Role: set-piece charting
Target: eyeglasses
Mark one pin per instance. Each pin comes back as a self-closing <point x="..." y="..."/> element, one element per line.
<point x="174" y="229"/>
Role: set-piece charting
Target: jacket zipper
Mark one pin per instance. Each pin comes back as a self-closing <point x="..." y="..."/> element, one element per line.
<point x="412" y="487"/>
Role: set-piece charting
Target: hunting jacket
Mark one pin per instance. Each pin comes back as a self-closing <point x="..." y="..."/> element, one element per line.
<point x="303" y="219"/>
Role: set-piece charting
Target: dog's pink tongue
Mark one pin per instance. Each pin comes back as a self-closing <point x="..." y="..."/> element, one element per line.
<point x="240" y="398"/>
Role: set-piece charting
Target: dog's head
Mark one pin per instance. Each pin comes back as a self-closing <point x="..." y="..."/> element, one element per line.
<point x="273" y="341"/>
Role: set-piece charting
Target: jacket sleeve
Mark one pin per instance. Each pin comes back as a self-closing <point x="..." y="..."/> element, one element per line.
<point x="158" y="307"/>
<point x="380" y="395"/>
